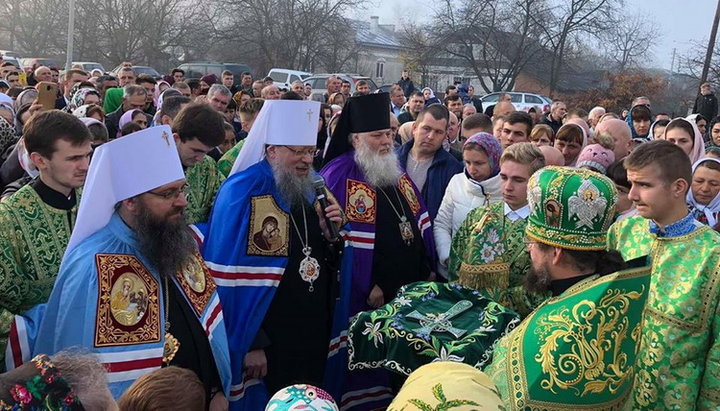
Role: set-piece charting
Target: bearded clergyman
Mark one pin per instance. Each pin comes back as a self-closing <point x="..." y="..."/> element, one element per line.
<point x="133" y="288"/>
<point x="389" y="226"/>
<point x="269" y="246"/>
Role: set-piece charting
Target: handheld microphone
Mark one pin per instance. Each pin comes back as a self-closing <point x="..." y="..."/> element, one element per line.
<point x="319" y="186"/>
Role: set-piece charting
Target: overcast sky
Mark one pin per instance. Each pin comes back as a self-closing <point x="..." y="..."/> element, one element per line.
<point x="681" y="21"/>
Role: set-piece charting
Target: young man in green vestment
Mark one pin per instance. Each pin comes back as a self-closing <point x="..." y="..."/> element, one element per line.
<point x="488" y="252"/>
<point x="197" y="129"/>
<point x="36" y="222"/>
<point x="577" y="349"/>
<point x="248" y="112"/>
<point x="679" y="358"/>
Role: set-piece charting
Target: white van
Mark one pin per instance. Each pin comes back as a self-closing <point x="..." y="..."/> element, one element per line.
<point x="283" y="78"/>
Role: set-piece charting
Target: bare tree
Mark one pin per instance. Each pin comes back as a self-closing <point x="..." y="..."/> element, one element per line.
<point x="493" y="38"/>
<point x="630" y="41"/>
<point x="35" y="27"/>
<point x="570" y="19"/>
<point x="289" y="33"/>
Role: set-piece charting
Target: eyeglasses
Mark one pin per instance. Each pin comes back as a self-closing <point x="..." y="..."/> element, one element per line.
<point x="172" y="194"/>
<point x="312" y="152"/>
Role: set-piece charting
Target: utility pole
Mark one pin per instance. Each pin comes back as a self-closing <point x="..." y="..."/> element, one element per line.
<point x="711" y="45"/>
<point x="672" y="64"/>
<point x="71" y="30"/>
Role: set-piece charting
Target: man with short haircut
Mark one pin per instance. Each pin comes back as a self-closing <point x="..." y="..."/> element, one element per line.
<point x="662" y="116"/>
<point x="397" y="100"/>
<point x="474" y="124"/>
<point x="450" y="91"/>
<point x="13" y="79"/>
<point x="406" y="84"/>
<point x="134" y="98"/>
<point x="148" y="83"/>
<point x="454" y="143"/>
<point x="104" y="83"/>
<point x="553" y="156"/>
<point x="621" y="134"/>
<point x="362" y="87"/>
<point x="554" y="119"/>
<point x="298" y="87"/>
<point x="332" y="85"/>
<point x="706" y="103"/>
<point x="501" y="276"/>
<point x="594" y="116"/>
<point x="183" y="88"/>
<point x="498" y="122"/>
<point x="271" y="92"/>
<point x="429" y="166"/>
<point x="246" y="82"/>
<point x="177" y="75"/>
<point x="388" y="223"/>
<point x="171" y="107"/>
<point x="345" y="89"/>
<point x="247" y="112"/>
<point x="678" y="356"/>
<point x="218" y="96"/>
<point x="257" y="87"/>
<point x="490" y="109"/>
<point x="70" y="79"/>
<point x="414" y="107"/>
<point x="42" y="73"/>
<point x="516" y="129"/>
<point x="454" y="105"/>
<point x="36" y="221"/>
<point x="228" y="80"/>
<point x="197" y="129"/>
<point x="502" y="109"/>
<point x="126" y="76"/>
<point x="642" y="100"/>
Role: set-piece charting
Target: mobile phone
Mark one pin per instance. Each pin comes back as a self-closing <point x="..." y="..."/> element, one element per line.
<point x="47" y="94"/>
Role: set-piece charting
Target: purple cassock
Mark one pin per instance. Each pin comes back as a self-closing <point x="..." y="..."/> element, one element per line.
<point x="364" y="390"/>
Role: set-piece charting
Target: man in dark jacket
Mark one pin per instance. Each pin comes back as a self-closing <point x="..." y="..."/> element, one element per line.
<point x="558" y="110"/>
<point x="406" y="84"/>
<point x="424" y="159"/>
<point x="706" y="103"/>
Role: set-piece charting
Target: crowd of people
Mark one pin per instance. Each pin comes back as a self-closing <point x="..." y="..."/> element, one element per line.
<point x="201" y="244"/>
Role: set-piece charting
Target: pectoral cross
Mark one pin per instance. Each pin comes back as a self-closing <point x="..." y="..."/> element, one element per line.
<point x="309" y="114"/>
<point x="166" y="137"/>
<point x="440" y="322"/>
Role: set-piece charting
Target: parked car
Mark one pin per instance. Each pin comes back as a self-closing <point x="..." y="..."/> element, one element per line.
<point x="283" y="78"/>
<point x="89" y="66"/>
<point x="12" y="60"/>
<point x="198" y="69"/>
<point x="31" y="63"/>
<point x="317" y="82"/>
<point x="139" y="70"/>
<point x="521" y="101"/>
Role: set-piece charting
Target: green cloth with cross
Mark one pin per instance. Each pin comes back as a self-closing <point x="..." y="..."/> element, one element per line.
<point x="428" y="321"/>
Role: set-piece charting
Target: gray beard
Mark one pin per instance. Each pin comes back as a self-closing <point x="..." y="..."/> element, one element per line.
<point x="167" y="246"/>
<point x="293" y="189"/>
<point x="538" y="281"/>
<point x="380" y="170"/>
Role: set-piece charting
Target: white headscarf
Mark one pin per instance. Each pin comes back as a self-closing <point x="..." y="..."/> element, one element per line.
<point x="698" y="150"/>
<point x="711" y="209"/>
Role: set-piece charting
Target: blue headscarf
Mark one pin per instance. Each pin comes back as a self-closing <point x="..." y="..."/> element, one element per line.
<point x="629" y="119"/>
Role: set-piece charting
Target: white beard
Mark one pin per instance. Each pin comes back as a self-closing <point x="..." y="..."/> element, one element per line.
<point x="381" y="170"/>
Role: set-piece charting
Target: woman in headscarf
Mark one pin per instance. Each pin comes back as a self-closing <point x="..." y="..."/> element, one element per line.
<point x="113" y="100"/>
<point x="700" y="121"/>
<point x="657" y="129"/>
<point x="134" y="116"/>
<point x="477" y="185"/>
<point x="82" y="97"/>
<point x="430" y="97"/>
<point x="160" y="87"/>
<point x="90" y="110"/>
<point x="704" y="195"/>
<point x="639" y="121"/>
<point x="686" y="135"/>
